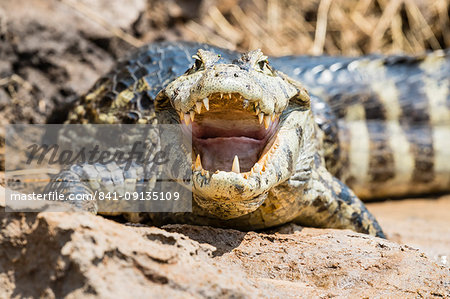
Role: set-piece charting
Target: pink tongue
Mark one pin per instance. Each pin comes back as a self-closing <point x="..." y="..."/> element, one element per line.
<point x="218" y="153"/>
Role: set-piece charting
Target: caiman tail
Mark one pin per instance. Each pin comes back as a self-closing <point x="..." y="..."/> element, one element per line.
<point x="392" y="119"/>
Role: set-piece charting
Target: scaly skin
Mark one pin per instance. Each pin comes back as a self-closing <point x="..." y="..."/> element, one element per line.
<point x="294" y="178"/>
<point x="391" y="121"/>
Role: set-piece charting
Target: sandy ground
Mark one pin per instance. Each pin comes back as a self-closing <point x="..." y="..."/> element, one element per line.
<point x="420" y="223"/>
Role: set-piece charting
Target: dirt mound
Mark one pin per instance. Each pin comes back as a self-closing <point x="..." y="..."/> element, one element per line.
<point x="75" y="255"/>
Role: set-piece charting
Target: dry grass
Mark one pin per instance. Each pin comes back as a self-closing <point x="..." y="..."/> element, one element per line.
<point x="348" y="27"/>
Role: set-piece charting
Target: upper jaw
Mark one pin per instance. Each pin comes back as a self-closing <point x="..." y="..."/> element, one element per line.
<point x="270" y="94"/>
<point x="204" y="104"/>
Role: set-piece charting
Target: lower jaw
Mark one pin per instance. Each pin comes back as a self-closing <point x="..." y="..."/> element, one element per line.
<point x="230" y="195"/>
<point x="226" y="210"/>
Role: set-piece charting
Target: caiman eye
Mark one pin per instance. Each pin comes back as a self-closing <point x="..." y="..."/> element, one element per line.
<point x="198" y="64"/>
<point x="262" y="64"/>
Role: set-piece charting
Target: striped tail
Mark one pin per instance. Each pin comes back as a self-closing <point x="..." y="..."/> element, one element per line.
<point x="393" y="115"/>
<point x="403" y="146"/>
<point x="385" y="158"/>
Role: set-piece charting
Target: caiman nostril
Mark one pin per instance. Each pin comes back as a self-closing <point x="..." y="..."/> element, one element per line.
<point x="236" y="75"/>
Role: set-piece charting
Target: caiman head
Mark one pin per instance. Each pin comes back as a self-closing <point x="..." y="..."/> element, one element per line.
<point x="245" y="119"/>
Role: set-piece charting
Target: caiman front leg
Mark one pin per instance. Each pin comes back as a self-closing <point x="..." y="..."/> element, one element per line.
<point x="91" y="187"/>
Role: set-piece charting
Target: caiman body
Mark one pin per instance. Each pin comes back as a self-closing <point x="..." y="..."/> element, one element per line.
<point x="283" y="141"/>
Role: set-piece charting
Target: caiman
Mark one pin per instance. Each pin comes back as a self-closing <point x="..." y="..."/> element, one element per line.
<point x="283" y="139"/>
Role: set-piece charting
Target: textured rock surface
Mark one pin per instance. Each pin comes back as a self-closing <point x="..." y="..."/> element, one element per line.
<point x="51" y="52"/>
<point x="81" y="255"/>
<point x="420" y="223"/>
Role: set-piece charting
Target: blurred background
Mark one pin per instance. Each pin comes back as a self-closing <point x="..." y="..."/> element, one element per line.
<point x="348" y="27"/>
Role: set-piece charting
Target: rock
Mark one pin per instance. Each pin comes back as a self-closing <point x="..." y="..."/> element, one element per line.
<point x="74" y="255"/>
<point x="420" y="223"/>
<point x="295" y="261"/>
<point x="78" y="255"/>
<point x="53" y="51"/>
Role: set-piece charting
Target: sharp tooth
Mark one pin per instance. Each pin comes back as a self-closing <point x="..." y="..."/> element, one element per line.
<point x="257" y="168"/>
<point x="245" y="104"/>
<point x="198" y="107"/>
<point x="229" y="95"/>
<point x="272" y="116"/>
<point x="181" y="115"/>
<point x="261" y="117"/>
<point x="207" y="174"/>
<point x="235" y="168"/>
<point x="257" y="110"/>
<point x="203" y="172"/>
<point x="187" y="119"/>
<point x="266" y="121"/>
<point x="221" y="95"/>
<point x="206" y="103"/>
<point x="192" y="113"/>
<point x="198" y="163"/>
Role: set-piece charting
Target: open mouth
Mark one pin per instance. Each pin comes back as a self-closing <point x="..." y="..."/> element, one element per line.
<point x="229" y="133"/>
